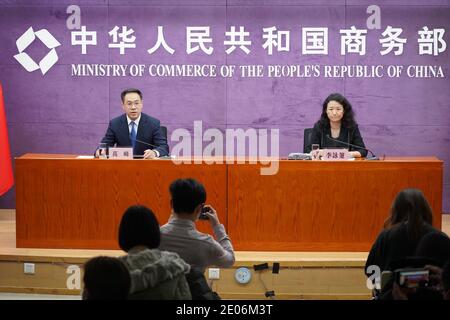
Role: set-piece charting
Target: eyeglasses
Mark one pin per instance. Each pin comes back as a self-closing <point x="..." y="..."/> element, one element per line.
<point x="131" y="104"/>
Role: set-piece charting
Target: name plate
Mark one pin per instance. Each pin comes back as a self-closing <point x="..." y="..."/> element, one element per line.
<point x="335" y="154"/>
<point x="120" y="153"/>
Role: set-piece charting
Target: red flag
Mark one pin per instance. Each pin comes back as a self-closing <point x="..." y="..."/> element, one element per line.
<point x="6" y="172"/>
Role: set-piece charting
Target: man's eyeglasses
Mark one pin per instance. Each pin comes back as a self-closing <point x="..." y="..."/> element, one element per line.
<point x="131" y="104"/>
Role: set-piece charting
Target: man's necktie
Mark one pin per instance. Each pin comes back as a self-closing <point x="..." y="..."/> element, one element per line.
<point x="133" y="134"/>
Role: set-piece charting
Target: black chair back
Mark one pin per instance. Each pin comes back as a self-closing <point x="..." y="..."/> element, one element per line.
<point x="164" y="131"/>
<point x="307" y="138"/>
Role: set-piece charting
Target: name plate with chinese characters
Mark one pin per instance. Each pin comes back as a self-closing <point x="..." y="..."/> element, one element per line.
<point x="120" y="153"/>
<point x="335" y="154"/>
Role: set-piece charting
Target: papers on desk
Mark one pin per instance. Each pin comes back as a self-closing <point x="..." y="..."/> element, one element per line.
<point x="299" y="156"/>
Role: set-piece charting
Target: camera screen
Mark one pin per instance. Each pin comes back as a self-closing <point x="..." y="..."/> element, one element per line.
<point x="413" y="279"/>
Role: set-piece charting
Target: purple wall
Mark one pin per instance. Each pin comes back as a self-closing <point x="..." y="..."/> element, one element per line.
<point x="60" y="113"/>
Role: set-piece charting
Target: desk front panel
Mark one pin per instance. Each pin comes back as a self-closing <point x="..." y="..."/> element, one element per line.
<point x="78" y="203"/>
<point x="322" y="206"/>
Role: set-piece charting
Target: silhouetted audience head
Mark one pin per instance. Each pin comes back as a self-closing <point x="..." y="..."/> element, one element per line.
<point x="139" y="227"/>
<point x="411" y="206"/>
<point x="188" y="196"/>
<point x="105" y="278"/>
<point x="435" y="246"/>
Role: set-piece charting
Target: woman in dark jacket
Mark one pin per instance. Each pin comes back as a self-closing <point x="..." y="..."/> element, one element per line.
<point x="337" y="122"/>
<point x="411" y="218"/>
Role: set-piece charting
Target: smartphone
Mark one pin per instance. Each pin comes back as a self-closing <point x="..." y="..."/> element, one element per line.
<point x="203" y="216"/>
<point x="412" y="278"/>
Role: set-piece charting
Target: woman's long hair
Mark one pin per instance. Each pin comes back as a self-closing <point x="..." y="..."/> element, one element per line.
<point x="348" y="120"/>
<point x="411" y="207"/>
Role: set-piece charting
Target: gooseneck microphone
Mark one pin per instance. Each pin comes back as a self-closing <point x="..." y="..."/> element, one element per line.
<point x="150" y="145"/>
<point x="373" y="157"/>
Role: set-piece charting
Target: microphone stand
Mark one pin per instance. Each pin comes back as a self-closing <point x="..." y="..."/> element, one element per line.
<point x="151" y="145"/>
<point x="373" y="157"/>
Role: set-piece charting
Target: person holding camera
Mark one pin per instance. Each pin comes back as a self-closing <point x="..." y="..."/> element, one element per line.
<point x="180" y="235"/>
<point x="411" y="218"/>
<point x="426" y="281"/>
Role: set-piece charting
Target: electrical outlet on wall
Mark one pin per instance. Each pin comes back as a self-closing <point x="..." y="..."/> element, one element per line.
<point x="214" y="273"/>
<point x="28" y="268"/>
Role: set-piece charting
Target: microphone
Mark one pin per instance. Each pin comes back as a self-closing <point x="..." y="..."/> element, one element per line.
<point x="374" y="157"/>
<point x="148" y="144"/>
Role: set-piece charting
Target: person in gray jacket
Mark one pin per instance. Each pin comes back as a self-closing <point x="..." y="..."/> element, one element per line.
<point x="155" y="274"/>
<point x="180" y="235"/>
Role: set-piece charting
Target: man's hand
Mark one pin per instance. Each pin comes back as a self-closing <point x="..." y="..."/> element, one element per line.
<point x="149" y="154"/>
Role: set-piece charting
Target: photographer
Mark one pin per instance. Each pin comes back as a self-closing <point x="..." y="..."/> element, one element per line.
<point x="181" y="236"/>
<point x="410" y="219"/>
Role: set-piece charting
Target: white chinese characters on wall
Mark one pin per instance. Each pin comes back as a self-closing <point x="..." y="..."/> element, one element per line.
<point x="314" y="40"/>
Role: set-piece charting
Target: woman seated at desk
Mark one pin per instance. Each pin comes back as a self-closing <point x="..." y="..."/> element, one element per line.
<point x="337" y="127"/>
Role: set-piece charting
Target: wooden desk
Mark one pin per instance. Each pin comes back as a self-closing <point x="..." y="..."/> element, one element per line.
<point x="67" y="203"/>
<point x="323" y="206"/>
<point x="64" y="202"/>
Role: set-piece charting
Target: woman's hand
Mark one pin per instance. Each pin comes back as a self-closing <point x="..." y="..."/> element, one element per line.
<point x="355" y="154"/>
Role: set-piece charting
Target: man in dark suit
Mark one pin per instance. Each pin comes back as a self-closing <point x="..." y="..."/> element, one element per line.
<point x="136" y="129"/>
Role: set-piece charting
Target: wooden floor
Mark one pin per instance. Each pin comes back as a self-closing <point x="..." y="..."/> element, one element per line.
<point x="305" y="275"/>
